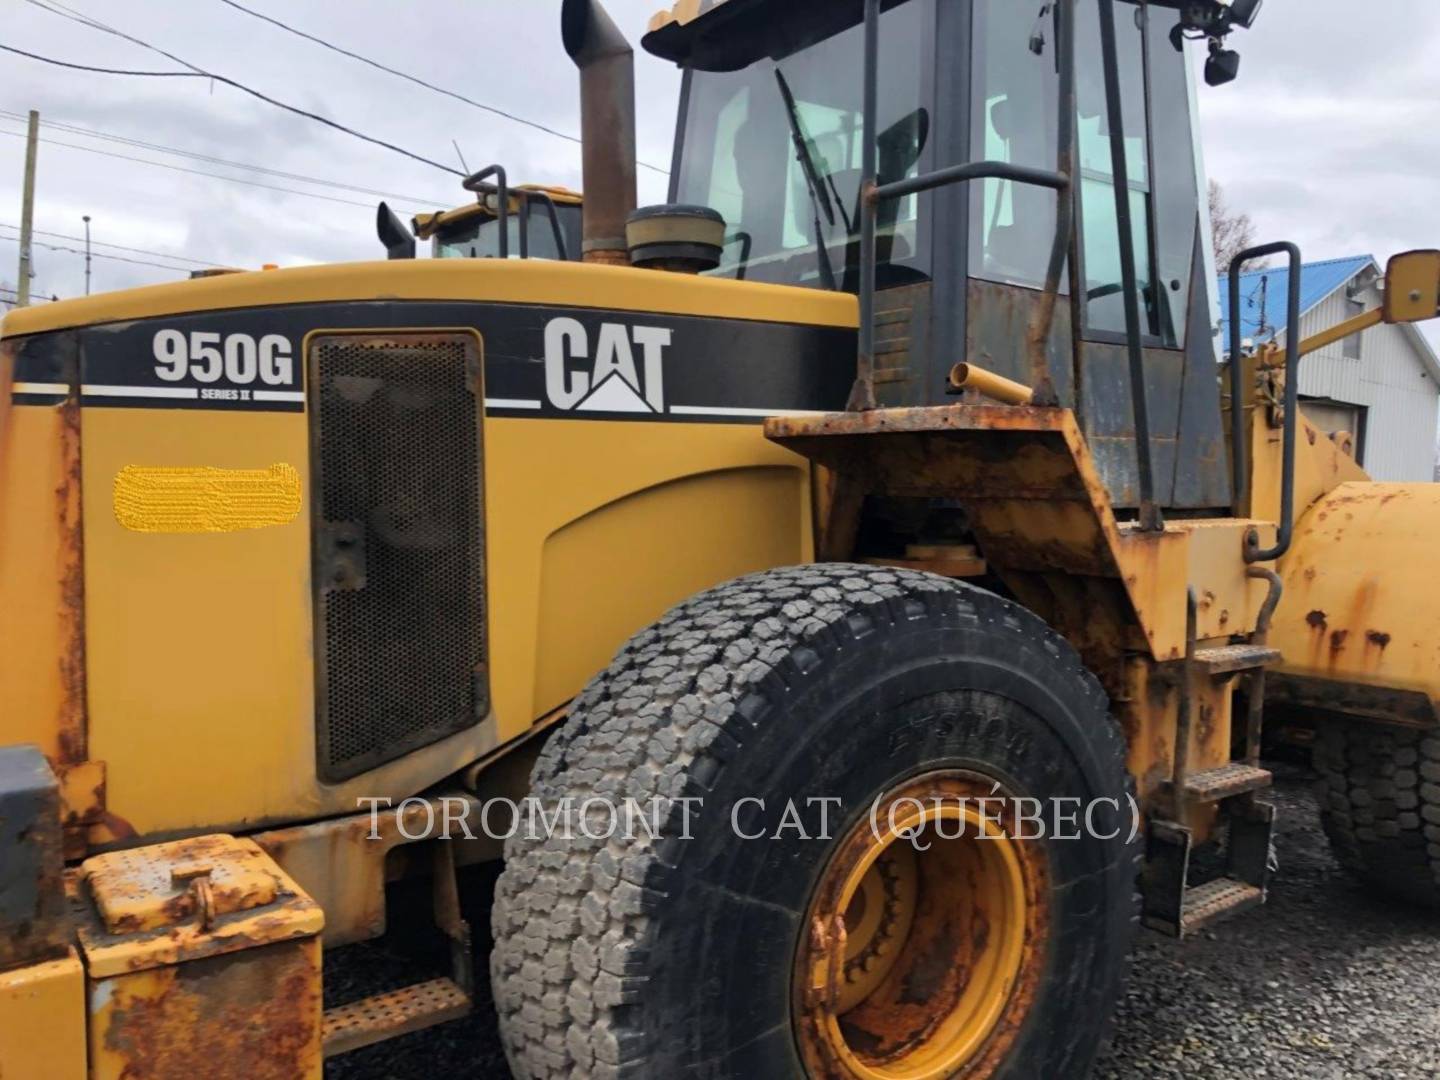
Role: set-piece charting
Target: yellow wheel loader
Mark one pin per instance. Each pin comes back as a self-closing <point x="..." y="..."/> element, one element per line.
<point x="846" y="599"/>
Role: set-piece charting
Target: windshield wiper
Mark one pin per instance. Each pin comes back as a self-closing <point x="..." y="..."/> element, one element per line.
<point x="819" y="199"/>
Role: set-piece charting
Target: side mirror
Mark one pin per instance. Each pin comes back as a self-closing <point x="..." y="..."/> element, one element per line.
<point x="1412" y="287"/>
<point x="398" y="240"/>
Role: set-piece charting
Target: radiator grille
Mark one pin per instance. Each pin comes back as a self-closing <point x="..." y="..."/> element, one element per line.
<point x="398" y="544"/>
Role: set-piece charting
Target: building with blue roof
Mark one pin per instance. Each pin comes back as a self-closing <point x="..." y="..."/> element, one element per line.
<point x="1382" y="386"/>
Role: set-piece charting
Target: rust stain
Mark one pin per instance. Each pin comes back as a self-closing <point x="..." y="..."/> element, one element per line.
<point x="254" y="1014"/>
<point x="1377" y="637"/>
<point x="1316" y="619"/>
<point x="1337" y="640"/>
<point x="72" y="734"/>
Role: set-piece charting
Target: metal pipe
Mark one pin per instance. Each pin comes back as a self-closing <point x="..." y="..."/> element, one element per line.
<point x="1180" y="770"/>
<point x="1253" y="551"/>
<point x="477" y="184"/>
<point x="1037" y="333"/>
<point x="607" y="126"/>
<point x="973" y="377"/>
<point x="1150" y="518"/>
<point x="1255" y="706"/>
<point x="862" y="396"/>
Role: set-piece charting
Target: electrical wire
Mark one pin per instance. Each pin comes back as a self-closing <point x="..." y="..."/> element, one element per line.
<point x="117" y="247"/>
<point x="326" y="44"/>
<point x="195" y="172"/>
<point x="142" y="144"/>
<point x="98" y="254"/>
<point x="198" y="72"/>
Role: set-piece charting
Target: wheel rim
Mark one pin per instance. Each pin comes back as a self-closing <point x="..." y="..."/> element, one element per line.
<point x="922" y="950"/>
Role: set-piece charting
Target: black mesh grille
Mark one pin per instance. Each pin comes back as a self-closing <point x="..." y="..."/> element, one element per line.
<point x="398" y="544"/>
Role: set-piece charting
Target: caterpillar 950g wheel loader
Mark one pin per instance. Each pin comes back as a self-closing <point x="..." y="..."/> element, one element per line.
<point x="833" y="717"/>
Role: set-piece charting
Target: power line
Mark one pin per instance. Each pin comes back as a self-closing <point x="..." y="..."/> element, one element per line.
<point x="100" y="255"/>
<point x="118" y="247"/>
<point x="33" y="298"/>
<point x="194" y="172"/>
<point x="323" y="43"/>
<point x="126" y="140"/>
<point x="198" y="72"/>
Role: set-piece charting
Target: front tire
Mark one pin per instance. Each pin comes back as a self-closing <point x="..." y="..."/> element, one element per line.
<point x="1379" y="797"/>
<point x="646" y="958"/>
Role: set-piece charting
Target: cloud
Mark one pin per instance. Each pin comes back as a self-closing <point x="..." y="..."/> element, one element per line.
<point x="1326" y="137"/>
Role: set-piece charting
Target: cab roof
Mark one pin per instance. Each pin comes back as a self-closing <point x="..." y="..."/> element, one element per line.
<point x="427" y="225"/>
<point x="726" y="35"/>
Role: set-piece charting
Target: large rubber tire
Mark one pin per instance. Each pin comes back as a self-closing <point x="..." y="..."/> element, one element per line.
<point x="1379" y="796"/>
<point x="655" y="961"/>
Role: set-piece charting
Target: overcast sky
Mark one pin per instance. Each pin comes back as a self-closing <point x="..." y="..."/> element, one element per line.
<point x="1328" y="138"/>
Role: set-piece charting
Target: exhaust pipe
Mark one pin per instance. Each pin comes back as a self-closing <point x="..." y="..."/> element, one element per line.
<point x="607" y="126"/>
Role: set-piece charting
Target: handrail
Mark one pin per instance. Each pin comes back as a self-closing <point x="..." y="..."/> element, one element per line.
<point x="1239" y="456"/>
<point x="502" y="197"/>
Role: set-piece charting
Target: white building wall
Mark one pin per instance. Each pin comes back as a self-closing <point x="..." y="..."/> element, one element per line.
<point x="1389" y="379"/>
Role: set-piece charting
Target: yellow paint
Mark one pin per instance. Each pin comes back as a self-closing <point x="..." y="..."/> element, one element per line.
<point x="1360" y="604"/>
<point x="42" y="1021"/>
<point x="38" y="571"/>
<point x="531" y="281"/>
<point x="201" y="675"/>
<point x="620" y="566"/>
<point x="596" y="527"/>
<point x="201" y="499"/>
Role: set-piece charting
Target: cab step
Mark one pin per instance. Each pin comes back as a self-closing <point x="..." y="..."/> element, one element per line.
<point x="1236" y="778"/>
<point x="1215" y="900"/>
<point x="1176" y="907"/>
<point x="395" y="1012"/>
<point x="1228" y="659"/>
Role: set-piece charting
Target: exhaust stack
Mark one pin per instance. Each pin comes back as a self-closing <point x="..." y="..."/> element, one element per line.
<point x="607" y="126"/>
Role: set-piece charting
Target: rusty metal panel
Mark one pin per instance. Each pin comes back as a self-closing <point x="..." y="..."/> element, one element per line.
<point x="167" y="904"/>
<point x="1107" y="416"/>
<point x="906" y="368"/>
<point x="34" y="923"/>
<point x="998" y="318"/>
<point x="198" y="952"/>
<point x="254" y="1014"/>
<point x="42" y="583"/>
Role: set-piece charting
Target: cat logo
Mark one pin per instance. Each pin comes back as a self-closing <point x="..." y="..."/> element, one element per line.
<point x="613" y="383"/>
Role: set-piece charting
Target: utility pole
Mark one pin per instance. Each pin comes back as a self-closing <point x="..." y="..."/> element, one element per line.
<point x="87" y="254"/>
<point x="27" y="211"/>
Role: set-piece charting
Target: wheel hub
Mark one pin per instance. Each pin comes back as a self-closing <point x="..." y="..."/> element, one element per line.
<point x="923" y="950"/>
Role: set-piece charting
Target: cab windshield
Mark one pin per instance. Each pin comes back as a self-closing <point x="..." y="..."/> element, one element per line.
<point x="776" y="149"/>
<point x="479" y="238"/>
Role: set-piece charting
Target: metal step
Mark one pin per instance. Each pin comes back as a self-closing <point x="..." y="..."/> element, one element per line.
<point x="1236" y="778"/>
<point x="396" y="1012"/>
<point x="1228" y="659"/>
<point x="1216" y="900"/>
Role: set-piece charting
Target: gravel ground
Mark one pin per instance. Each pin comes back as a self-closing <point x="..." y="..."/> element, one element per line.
<point x="1325" y="981"/>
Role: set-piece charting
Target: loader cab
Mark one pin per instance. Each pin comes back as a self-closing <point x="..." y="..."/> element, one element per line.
<point x="769" y="135"/>
<point x="542" y="223"/>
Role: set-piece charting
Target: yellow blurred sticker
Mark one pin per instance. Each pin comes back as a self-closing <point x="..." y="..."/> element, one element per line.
<point x="203" y="499"/>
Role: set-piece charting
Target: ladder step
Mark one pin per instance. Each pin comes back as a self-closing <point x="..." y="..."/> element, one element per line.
<point x="1216" y="900"/>
<point x="1231" y="658"/>
<point x="395" y="1012"/>
<point x="1237" y="778"/>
